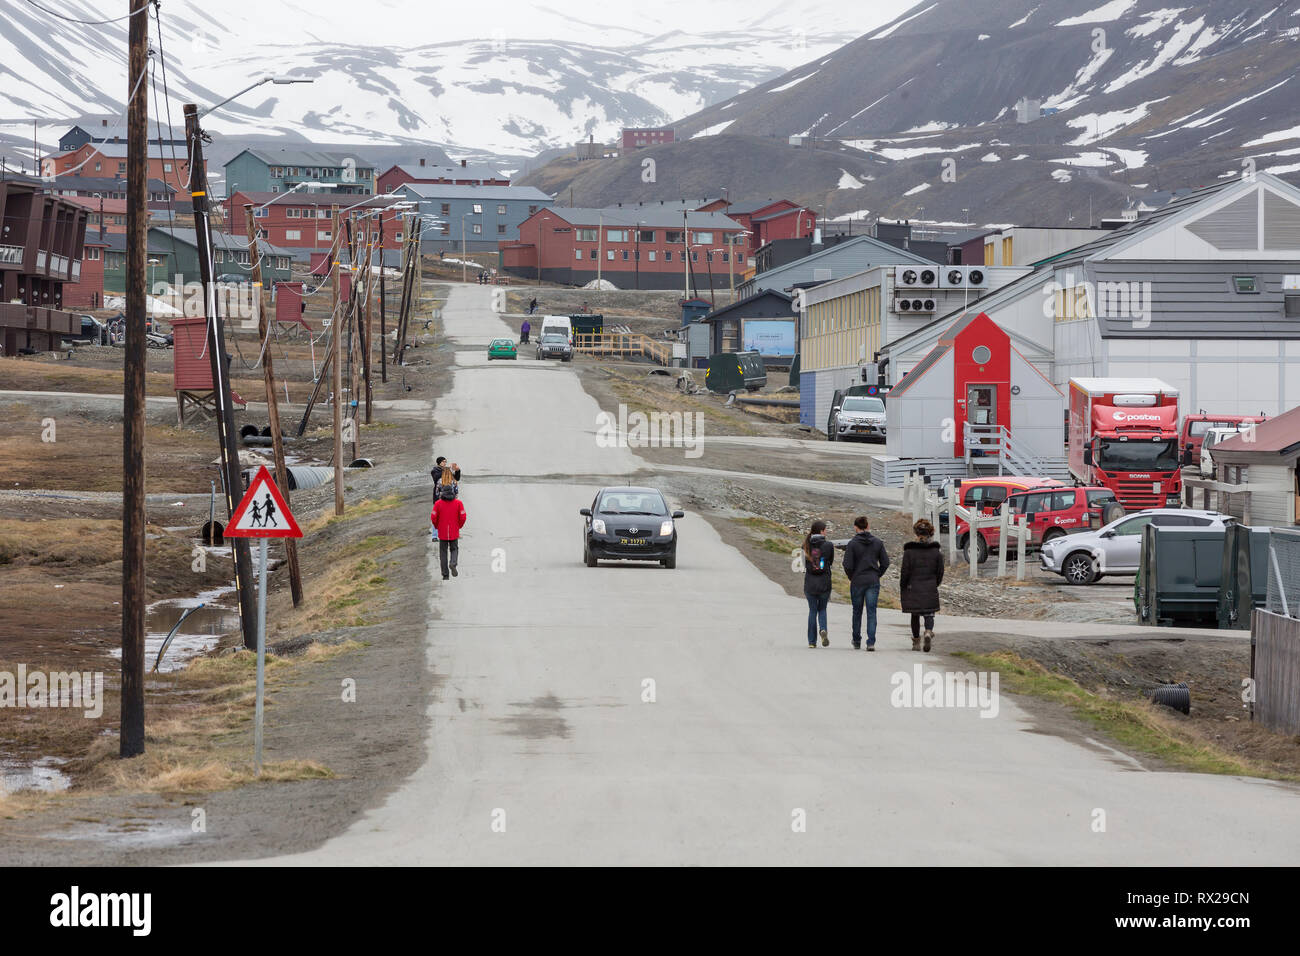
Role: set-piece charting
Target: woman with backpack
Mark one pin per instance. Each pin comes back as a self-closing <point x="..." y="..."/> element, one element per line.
<point x="919" y="581"/>
<point x="818" y="559"/>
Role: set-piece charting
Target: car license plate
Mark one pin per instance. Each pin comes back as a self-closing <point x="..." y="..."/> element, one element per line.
<point x="626" y="541"/>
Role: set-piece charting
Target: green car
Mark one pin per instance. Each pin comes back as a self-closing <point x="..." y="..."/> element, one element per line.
<point x="502" y="349"/>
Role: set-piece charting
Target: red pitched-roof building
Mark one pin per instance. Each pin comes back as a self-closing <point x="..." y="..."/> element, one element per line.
<point x="301" y="220"/>
<point x="393" y="178"/>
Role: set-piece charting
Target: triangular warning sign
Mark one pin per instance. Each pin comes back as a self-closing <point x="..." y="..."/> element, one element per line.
<point x="263" y="513"/>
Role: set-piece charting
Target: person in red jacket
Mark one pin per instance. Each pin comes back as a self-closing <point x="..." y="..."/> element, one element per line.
<point x="448" y="518"/>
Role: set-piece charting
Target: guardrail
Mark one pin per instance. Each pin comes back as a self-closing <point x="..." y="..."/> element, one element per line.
<point x="624" y="345"/>
<point x="923" y="502"/>
<point x="995" y="441"/>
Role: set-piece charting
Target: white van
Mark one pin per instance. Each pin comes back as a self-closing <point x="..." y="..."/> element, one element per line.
<point x="1212" y="438"/>
<point x="557" y="324"/>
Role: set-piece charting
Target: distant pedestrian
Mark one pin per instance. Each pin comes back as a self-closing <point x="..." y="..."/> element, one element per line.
<point x="865" y="563"/>
<point x="818" y="559"/>
<point x="448" y="517"/>
<point x="919" y="581"/>
<point x="444" y="474"/>
<point x="532" y="307"/>
<point x="523" y="332"/>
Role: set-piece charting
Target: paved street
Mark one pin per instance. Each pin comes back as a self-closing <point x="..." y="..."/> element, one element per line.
<point x="539" y="728"/>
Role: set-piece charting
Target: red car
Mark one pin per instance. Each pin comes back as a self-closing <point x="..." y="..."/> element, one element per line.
<point x="1053" y="513"/>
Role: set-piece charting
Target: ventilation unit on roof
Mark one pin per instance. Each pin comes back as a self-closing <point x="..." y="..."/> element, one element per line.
<point x="915" y="277"/>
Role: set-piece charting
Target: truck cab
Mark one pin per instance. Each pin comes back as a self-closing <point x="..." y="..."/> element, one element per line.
<point x="1124" y="436"/>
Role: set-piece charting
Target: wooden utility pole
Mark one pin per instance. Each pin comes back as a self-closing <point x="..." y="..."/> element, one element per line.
<point x="365" y="336"/>
<point x="383" y="302"/>
<point x="232" y="482"/>
<point x="336" y="342"/>
<point x="272" y="402"/>
<point x="134" y="583"/>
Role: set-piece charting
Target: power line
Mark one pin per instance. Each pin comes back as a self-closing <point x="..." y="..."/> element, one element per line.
<point x="87" y="23"/>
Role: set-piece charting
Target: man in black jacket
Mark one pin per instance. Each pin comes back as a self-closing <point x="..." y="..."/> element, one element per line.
<point x="865" y="562"/>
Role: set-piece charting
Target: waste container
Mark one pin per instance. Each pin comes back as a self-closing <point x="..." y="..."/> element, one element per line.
<point x="1244" y="583"/>
<point x="1179" y="575"/>
<point x="732" y="371"/>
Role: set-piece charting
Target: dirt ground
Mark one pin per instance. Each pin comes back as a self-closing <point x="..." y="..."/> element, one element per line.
<point x="656" y="309"/>
<point x="60" y="545"/>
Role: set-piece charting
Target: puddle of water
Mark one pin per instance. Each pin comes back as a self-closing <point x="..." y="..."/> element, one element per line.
<point x="130" y="833"/>
<point x="200" y="633"/>
<point x="43" y="775"/>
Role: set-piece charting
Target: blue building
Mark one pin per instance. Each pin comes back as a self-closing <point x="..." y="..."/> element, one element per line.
<point x="279" y="170"/>
<point x="487" y="214"/>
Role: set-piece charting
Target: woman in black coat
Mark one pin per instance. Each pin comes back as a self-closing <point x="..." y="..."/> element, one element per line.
<point x="818" y="559"/>
<point x="921" y="575"/>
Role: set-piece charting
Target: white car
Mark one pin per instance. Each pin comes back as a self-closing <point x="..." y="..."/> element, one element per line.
<point x="1212" y="438"/>
<point x="859" y="417"/>
<point x="1116" y="548"/>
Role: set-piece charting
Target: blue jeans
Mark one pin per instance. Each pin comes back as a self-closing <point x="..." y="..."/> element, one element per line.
<point x="868" y="594"/>
<point x="816" y="614"/>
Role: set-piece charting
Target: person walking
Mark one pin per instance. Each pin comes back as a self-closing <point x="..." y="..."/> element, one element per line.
<point x="919" y="580"/>
<point x="865" y="563"/>
<point x="442" y="473"/>
<point x="523" y="332"/>
<point x="532" y="307"/>
<point x="818" y="559"/>
<point x="448" y="518"/>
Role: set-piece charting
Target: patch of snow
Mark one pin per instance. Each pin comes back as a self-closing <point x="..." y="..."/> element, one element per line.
<point x="1131" y="158"/>
<point x="1062" y="175"/>
<point x="1020" y="157"/>
<point x="1170" y="49"/>
<point x="1021" y="21"/>
<point x="917" y="189"/>
<point x="857" y="214"/>
<point x="982" y="36"/>
<point x="1278" y="170"/>
<point x="911" y="152"/>
<point x="1262" y="19"/>
<point x="935" y="126"/>
<point x="849" y="181"/>
<point x="1096" y="126"/>
<point x="1196" y="124"/>
<point x="1085" y="159"/>
<point x="728" y="106"/>
<point x="808" y="131"/>
<point x="990" y="158"/>
<point x="1155" y="20"/>
<point x="888" y="30"/>
<point x="1001" y="113"/>
<point x="603" y="285"/>
<point x="795" y="82"/>
<point x="1292" y="133"/>
<point x="1103" y="14"/>
<point x="712" y="130"/>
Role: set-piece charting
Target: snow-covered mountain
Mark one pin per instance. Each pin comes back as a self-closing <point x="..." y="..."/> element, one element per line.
<point x="515" y="81"/>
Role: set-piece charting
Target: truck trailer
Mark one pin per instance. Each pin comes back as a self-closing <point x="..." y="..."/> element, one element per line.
<point x="1124" y="436"/>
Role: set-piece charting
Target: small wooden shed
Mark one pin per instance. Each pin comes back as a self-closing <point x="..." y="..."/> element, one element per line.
<point x="1263" y="463"/>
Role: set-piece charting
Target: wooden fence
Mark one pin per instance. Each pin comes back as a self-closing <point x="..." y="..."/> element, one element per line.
<point x="926" y="503"/>
<point x="1276" y="670"/>
<point x="624" y="345"/>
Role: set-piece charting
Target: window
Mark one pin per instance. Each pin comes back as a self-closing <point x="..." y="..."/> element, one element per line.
<point x="726" y="257"/>
<point x="593" y="254"/>
<point x="1133" y="525"/>
<point x="704" y="238"/>
<point x="1245" y="285"/>
<point x="588" y="235"/>
<point x="167" y="167"/>
<point x="446" y="209"/>
<point x="531" y="210"/>
<point x="477" y="228"/>
<point x="668" y="255"/>
<point x="695" y="255"/>
<point x="293" y="213"/>
<point x="646" y="235"/>
<point x="292" y="234"/>
<point x="625" y="255"/>
<point x="652" y="255"/>
<point x="609" y="254"/>
<point x="616" y="235"/>
<point x="577" y="254"/>
<point x="501" y="209"/>
<point x="325" y="235"/>
<point x="260" y="212"/>
<point x="501" y="229"/>
<point x="1100" y="497"/>
<point x="672" y="238"/>
<point x="121" y="168"/>
<point x="261" y="234"/>
<point x="446" y="229"/>
<point x="478" y="209"/>
<point x="93" y="254"/>
<point x="397" y="238"/>
<point x="98" y="167"/>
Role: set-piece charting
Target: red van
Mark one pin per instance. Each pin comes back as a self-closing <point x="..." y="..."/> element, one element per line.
<point x="1053" y="512"/>
<point x="987" y="495"/>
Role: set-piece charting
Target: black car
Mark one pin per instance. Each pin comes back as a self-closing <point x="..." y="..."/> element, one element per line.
<point x="630" y="524"/>
<point x="92" y="331"/>
<point x="555" y="345"/>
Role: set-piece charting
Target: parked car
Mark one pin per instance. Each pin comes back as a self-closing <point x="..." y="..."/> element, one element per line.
<point x="554" y="345"/>
<point x="1053" y="513"/>
<point x="988" y="493"/>
<point x="1211" y="438"/>
<point x="628" y="523"/>
<point x="1117" y="548"/>
<point x="93" y="332"/>
<point x="840" y="394"/>
<point x="502" y="349"/>
<point x="858" y="418"/>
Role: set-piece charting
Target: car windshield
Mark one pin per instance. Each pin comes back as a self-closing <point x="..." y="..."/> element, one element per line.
<point x="554" y="338"/>
<point x="1114" y="455"/>
<point x="501" y="343"/>
<point x="632" y="503"/>
<point x="863" y="405"/>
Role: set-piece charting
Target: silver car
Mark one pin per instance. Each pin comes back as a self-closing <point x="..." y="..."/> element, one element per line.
<point x="860" y="417"/>
<point x="1116" y="548"/>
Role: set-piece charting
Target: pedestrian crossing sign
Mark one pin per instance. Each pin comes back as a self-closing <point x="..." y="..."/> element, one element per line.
<point x="263" y="512"/>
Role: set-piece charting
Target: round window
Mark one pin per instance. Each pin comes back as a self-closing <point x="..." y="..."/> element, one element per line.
<point x="981" y="355"/>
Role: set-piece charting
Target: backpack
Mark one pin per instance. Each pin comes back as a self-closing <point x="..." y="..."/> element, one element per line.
<point x="820" y="562"/>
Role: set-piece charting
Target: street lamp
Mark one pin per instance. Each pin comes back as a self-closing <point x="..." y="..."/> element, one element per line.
<point x="152" y="285"/>
<point x="277" y="80"/>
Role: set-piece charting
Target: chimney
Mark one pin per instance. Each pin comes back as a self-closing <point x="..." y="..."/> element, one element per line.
<point x="421" y="160"/>
<point x="462" y="164"/>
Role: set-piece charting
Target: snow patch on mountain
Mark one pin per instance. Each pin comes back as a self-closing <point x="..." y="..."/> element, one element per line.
<point x="1103" y="14"/>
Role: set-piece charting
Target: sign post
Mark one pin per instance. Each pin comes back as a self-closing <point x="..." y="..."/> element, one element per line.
<point x="262" y="513"/>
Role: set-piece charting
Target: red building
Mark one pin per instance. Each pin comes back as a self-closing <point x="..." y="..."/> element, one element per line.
<point x="169" y="164"/>
<point x="463" y="175"/>
<point x="41" y="244"/>
<point x="634" y="247"/>
<point x="88" y="291"/>
<point x="637" y="138"/>
<point x="301" y="220"/>
<point x="114" y="212"/>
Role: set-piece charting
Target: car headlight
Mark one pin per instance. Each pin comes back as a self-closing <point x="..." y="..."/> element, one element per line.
<point x="597" y="525"/>
<point x="666" y="528"/>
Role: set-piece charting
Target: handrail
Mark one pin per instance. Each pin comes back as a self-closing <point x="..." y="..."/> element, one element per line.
<point x="998" y="439"/>
<point x="623" y="343"/>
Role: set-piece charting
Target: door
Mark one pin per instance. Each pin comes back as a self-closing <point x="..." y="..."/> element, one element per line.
<point x="982" y="410"/>
<point x="1121" y="553"/>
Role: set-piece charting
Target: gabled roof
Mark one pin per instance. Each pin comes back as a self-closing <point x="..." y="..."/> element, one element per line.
<point x="742" y="303"/>
<point x="101" y="184"/>
<point x="443" y="171"/>
<point x="883" y="253"/>
<point x="448" y="191"/>
<point x="919" y="369"/>
<point x="301" y="157"/>
<point x="651" y="217"/>
<point x="750" y="206"/>
<point x="1280" y="436"/>
<point x="220" y="240"/>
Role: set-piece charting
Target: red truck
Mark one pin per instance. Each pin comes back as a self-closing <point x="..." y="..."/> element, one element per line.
<point x="1124" y="436"/>
<point x="1196" y="426"/>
